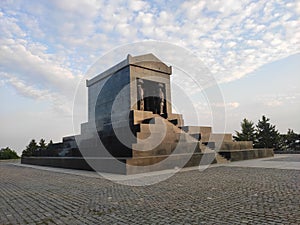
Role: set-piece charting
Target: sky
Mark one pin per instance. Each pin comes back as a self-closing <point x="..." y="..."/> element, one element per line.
<point x="252" y="49"/>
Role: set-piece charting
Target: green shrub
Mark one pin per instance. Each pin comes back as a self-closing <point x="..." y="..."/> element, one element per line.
<point x="7" y="153"/>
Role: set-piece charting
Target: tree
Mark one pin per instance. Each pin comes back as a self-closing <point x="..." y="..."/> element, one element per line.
<point x="266" y="134"/>
<point x="247" y="133"/>
<point x="30" y="149"/>
<point x="7" y="153"/>
<point x="291" y="139"/>
<point x="42" y="144"/>
<point x="282" y="146"/>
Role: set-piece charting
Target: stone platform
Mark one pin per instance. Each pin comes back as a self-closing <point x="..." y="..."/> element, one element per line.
<point x="135" y="165"/>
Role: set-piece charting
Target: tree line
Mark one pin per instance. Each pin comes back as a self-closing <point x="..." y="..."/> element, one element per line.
<point x="265" y="135"/>
<point x="34" y="146"/>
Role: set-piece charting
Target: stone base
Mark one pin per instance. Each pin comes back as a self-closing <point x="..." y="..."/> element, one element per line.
<point x="122" y="165"/>
<point x="158" y="163"/>
<point x="147" y="164"/>
<point x="62" y="162"/>
<point x="245" y="154"/>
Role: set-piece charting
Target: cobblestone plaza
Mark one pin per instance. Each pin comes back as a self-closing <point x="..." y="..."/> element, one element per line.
<point x="222" y="194"/>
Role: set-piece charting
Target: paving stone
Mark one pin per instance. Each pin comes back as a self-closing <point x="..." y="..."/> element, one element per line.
<point x="218" y="195"/>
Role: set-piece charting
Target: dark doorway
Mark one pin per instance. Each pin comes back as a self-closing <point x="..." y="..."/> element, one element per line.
<point x="152" y="96"/>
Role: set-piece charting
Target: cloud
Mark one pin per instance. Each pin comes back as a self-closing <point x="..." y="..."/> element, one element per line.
<point x="61" y="105"/>
<point x="227" y="105"/>
<point x="137" y="5"/>
<point x="286" y="99"/>
<point x="23" y="89"/>
<point x="30" y="63"/>
<point x="274" y="103"/>
<point x="233" y="105"/>
<point x="31" y="70"/>
<point x="232" y="38"/>
<point x="204" y="106"/>
<point x="243" y="29"/>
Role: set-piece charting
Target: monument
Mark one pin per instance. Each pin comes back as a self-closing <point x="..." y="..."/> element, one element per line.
<point x="131" y="127"/>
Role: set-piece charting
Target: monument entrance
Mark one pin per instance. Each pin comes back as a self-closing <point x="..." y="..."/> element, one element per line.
<point x="151" y="96"/>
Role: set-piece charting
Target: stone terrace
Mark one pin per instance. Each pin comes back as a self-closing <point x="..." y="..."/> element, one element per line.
<point x="218" y="195"/>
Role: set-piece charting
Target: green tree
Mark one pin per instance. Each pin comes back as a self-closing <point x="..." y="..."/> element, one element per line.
<point x="30" y="149"/>
<point x="266" y="134"/>
<point x="42" y="144"/>
<point x="290" y="139"/>
<point x="7" y="153"/>
<point x="247" y="133"/>
<point x="282" y="146"/>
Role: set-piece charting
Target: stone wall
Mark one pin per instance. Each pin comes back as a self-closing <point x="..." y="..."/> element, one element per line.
<point x="245" y="154"/>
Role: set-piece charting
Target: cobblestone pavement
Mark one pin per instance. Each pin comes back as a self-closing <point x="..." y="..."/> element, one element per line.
<point x="218" y="195"/>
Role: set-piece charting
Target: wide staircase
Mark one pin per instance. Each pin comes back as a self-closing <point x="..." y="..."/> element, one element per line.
<point x="163" y="144"/>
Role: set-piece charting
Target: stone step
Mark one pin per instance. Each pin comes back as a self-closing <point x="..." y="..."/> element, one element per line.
<point x="176" y="118"/>
<point x="158" y="137"/>
<point x="167" y="135"/>
<point x="220" y="159"/>
<point x="154" y="120"/>
<point x="156" y="128"/>
<point x="139" y="116"/>
<point x="205" y="148"/>
<point x="176" y="161"/>
<point x="165" y="148"/>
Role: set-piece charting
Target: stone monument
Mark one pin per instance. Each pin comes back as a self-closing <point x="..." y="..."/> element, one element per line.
<point x="131" y="127"/>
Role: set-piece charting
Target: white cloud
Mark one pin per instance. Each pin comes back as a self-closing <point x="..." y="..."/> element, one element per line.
<point x="61" y="105"/>
<point x="274" y="103"/>
<point x="137" y="5"/>
<point x="280" y="99"/>
<point x="33" y="64"/>
<point x="227" y="105"/>
<point x="297" y="6"/>
<point x="233" y="105"/>
<point x="206" y="27"/>
<point x="193" y="8"/>
<point x="204" y="106"/>
<point x="231" y="44"/>
<point x="2" y="82"/>
<point x="254" y="43"/>
<point x="9" y="27"/>
<point x="23" y="89"/>
<point x="30" y="70"/>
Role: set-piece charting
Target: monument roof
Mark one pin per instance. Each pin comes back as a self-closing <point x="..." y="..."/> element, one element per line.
<point x="148" y="61"/>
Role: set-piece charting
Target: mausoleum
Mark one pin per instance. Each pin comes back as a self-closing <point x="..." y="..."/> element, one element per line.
<point x="131" y="127"/>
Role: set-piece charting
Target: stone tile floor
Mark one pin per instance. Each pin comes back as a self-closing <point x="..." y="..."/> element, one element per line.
<point x="227" y="194"/>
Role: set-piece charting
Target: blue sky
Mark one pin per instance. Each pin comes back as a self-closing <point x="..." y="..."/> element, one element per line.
<point x="251" y="47"/>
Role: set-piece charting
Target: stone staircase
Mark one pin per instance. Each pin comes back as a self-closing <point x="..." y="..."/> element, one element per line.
<point x="220" y="159"/>
<point x="162" y="139"/>
<point x="160" y="143"/>
<point x="159" y="136"/>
